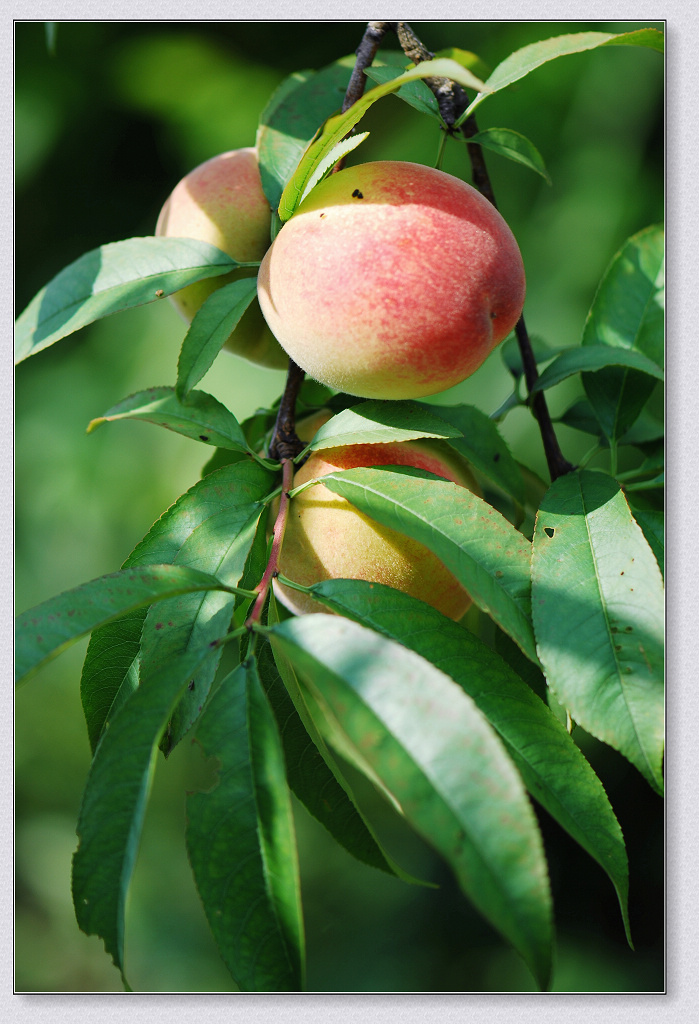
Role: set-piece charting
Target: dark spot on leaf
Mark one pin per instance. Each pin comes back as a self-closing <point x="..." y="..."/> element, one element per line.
<point x="357" y="194"/>
<point x="549" y="531"/>
<point x="617" y="647"/>
<point x="496" y="457"/>
<point x="498" y="573"/>
<point x="191" y="685"/>
<point x="628" y="629"/>
<point x="71" y="611"/>
<point x="158" y="625"/>
<point x="613" y="629"/>
<point x="203" y="437"/>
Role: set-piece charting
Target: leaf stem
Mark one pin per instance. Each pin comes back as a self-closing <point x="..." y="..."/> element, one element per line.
<point x="285" y="443"/>
<point x="271" y="571"/>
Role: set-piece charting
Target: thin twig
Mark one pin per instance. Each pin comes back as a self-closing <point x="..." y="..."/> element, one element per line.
<point x="285" y="443"/>
<point x="452" y="101"/>
<point x="262" y="588"/>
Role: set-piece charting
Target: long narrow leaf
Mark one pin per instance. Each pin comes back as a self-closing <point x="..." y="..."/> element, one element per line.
<point x="199" y="416"/>
<point x="111" y="665"/>
<point x="114" y="804"/>
<point x="112" y="278"/>
<point x="376" y="422"/>
<point x="240" y="840"/>
<point x="46" y="630"/>
<point x="551" y="765"/>
<point x="423" y="737"/>
<point x="485" y="552"/>
<point x="598" y="602"/>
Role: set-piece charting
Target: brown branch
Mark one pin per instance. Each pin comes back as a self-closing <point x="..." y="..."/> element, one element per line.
<point x="272" y="570"/>
<point x="285" y="443"/>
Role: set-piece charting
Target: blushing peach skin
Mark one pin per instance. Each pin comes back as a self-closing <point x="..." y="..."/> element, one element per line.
<point x="392" y="280"/>
<point x="328" y="538"/>
<point x="221" y="201"/>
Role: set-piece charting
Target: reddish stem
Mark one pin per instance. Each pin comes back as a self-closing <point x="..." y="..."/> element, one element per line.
<point x="262" y="588"/>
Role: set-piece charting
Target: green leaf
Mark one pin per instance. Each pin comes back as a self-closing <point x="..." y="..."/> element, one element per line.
<point x="551" y="765"/>
<point x="484" y="447"/>
<point x="433" y="750"/>
<point x="591" y="358"/>
<point x="342" y="149"/>
<point x="652" y="522"/>
<point x="513" y="146"/>
<point x="478" y="545"/>
<point x="522" y="62"/>
<point x="241" y="841"/>
<point x="210" y="330"/>
<point x="114" y="804"/>
<point x="376" y="422"/>
<point x="114" y="277"/>
<point x="310" y="777"/>
<point x="332" y="802"/>
<point x="415" y="94"/>
<point x="628" y="312"/>
<point x="598" y="606"/>
<point x="336" y="128"/>
<point x="291" y="119"/>
<point x="111" y="665"/>
<point x="219" y="545"/>
<point x="199" y="416"/>
<point x="49" y="628"/>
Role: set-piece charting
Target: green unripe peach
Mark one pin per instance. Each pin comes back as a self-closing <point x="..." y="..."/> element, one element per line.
<point x="326" y="537"/>
<point x="392" y="280"/>
<point x="221" y="201"/>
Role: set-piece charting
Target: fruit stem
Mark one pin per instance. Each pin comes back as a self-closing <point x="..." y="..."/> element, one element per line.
<point x="271" y="571"/>
<point x="285" y="443"/>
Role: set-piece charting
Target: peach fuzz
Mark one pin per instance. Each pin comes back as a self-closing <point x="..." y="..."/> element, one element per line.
<point x="392" y="280"/>
<point x="221" y="201"/>
<point x="328" y="538"/>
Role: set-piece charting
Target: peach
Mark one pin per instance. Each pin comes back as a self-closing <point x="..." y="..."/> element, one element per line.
<point x="328" y="538"/>
<point x="392" y="280"/>
<point x="221" y="201"/>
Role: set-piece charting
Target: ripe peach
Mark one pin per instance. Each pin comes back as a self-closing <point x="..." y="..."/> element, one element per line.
<point x="392" y="280"/>
<point x="328" y="538"/>
<point x="221" y="201"/>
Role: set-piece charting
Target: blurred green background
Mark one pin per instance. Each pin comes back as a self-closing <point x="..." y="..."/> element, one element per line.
<point x="105" y="127"/>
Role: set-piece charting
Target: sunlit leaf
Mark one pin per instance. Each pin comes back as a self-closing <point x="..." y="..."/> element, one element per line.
<point x="551" y="765"/>
<point x="241" y="841"/>
<point x="513" y="146"/>
<point x="527" y="59"/>
<point x="46" y="630"/>
<point x="110" y="671"/>
<point x="337" y="127"/>
<point x="598" y="608"/>
<point x="199" y="416"/>
<point x="209" y="331"/>
<point x="477" y="544"/>
<point x="376" y="422"/>
<point x="433" y="750"/>
<point x="114" y="277"/>
<point x="591" y="358"/>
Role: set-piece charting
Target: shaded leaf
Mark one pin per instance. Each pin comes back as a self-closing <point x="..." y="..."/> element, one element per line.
<point x="241" y="841"/>
<point x="292" y="117"/>
<point x="477" y="544"/>
<point x="376" y="422"/>
<point x="114" y="804"/>
<point x="423" y="736"/>
<point x="415" y="94"/>
<point x="484" y="447"/>
<point x="652" y="522"/>
<point x="591" y="358"/>
<point x="336" y="128"/>
<point x="46" y="630"/>
<point x="114" y="277"/>
<point x="598" y="608"/>
<point x="552" y="767"/>
<point x="111" y="664"/>
<point x="199" y="416"/>
<point x="628" y="312"/>
<point x="513" y="146"/>
<point x="210" y="330"/>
